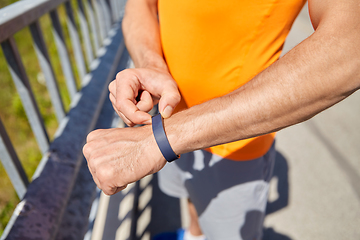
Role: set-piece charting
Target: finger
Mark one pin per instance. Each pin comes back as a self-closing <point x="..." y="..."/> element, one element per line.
<point x="91" y="167"/>
<point x="127" y="89"/>
<point x="169" y="99"/>
<point x="112" y="100"/>
<point x="122" y="116"/>
<point x="96" y="180"/>
<point x="112" y="94"/>
<point x="125" y="119"/>
<point x="109" y="191"/>
<point x="93" y="135"/>
<point x="146" y="102"/>
<point x="112" y="87"/>
<point x="133" y="113"/>
<point x="113" y="190"/>
<point x="120" y="189"/>
<point x="86" y="152"/>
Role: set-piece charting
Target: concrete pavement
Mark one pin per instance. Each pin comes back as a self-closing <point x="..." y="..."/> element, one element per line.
<point x="318" y="168"/>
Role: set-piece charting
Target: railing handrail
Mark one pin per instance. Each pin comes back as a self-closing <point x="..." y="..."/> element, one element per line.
<point x="48" y="193"/>
<point x="21" y="14"/>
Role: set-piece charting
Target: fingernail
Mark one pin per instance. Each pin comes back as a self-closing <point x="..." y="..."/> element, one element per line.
<point x="147" y="122"/>
<point x="167" y="112"/>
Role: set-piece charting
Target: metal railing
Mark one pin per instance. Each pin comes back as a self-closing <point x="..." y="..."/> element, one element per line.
<point x="57" y="202"/>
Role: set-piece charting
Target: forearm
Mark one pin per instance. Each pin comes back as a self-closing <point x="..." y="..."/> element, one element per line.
<point x="141" y="33"/>
<point x="318" y="73"/>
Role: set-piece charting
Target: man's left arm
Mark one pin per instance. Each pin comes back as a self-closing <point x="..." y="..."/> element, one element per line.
<point x="321" y="71"/>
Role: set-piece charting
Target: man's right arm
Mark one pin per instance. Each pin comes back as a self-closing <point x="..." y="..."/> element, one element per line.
<point x="151" y="75"/>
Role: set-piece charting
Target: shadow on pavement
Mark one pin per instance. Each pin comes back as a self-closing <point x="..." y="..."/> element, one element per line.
<point x="166" y="217"/>
<point x="281" y="171"/>
<point x="270" y="234"/>
<point x="165" y="214"/>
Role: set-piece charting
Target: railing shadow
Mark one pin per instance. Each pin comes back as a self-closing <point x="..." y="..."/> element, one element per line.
<point x="166" y="214"/>
<point x="281" y="172"/>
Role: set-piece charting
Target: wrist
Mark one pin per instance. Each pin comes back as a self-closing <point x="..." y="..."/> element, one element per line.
<point x="190" y="130"/>
<point x="155" y="159"/>
<point x="152" y="60"/>
<point x="176" y="135"/>
<point x="162" y="140"/>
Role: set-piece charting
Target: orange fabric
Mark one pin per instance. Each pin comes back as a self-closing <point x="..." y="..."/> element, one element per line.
<point x="213" y="47"/>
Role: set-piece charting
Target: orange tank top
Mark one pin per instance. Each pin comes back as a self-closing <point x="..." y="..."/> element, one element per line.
<point x="213" y="47"/>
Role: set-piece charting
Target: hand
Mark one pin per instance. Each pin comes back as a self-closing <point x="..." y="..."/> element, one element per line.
<point x="134" y="92"/>
<point x="117" y="157"/>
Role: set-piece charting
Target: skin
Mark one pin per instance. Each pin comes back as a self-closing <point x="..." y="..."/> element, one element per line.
<point x="321" y="71"/>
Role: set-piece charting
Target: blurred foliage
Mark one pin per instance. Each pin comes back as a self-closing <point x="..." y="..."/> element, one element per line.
<point x="12" y="113"/>
<point x="5" y="214"/>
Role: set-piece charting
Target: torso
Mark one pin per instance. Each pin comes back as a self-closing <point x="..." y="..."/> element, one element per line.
<point x="213" y="47"/>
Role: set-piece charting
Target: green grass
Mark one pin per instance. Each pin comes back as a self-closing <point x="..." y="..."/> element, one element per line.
<point x="12" y="112"/>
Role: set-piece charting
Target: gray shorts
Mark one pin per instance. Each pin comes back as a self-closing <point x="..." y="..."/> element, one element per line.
<point x="229" y="196"/>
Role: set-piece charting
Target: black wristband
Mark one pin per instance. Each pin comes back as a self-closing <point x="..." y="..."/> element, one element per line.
<point x="161" y="139"/>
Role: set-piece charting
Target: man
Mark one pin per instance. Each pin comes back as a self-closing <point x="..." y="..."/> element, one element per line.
<point x="319" y="72"/>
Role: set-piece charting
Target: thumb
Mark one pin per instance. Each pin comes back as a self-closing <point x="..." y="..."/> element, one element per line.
<point x="168" y="101"/>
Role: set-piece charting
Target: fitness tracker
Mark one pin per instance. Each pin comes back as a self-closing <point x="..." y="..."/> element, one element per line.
<point x="161" y="139"/>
